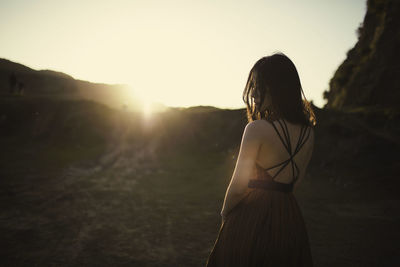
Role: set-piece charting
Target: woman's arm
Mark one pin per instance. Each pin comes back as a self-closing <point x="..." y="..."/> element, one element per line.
<point x="244" y="169"/>
<point x="231" y="200"/>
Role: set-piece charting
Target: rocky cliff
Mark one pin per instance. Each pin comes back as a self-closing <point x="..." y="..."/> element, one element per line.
<point x="370" y="75"/>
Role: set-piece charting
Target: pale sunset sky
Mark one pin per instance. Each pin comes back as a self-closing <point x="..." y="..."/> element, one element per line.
<point x="181" y="53"/>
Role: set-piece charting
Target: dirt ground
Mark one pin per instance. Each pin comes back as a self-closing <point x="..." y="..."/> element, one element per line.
<point x="137" y="212"/>
<point x="130" y="205"/>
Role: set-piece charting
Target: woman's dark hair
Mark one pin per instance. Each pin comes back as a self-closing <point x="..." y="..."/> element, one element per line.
<point x="276" y="75"/>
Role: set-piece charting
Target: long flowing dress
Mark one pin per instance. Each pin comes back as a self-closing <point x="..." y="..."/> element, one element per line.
<point x="266" y="228"/>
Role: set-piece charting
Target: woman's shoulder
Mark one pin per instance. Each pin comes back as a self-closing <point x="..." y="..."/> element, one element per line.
<point x="258" y="124"/>
<point x="264" y="128"/>
<point x="259" y="128"/>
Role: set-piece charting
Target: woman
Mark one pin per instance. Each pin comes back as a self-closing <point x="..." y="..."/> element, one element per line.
<point x="262" y="224"/>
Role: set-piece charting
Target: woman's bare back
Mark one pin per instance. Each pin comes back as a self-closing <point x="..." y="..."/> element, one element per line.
<point x="273" y="152"/>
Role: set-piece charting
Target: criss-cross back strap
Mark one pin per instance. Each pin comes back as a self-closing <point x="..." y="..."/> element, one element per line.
<point x="301" y="141"/>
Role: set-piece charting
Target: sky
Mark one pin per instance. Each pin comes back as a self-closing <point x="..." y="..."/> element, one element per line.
<point x="181" y="53"/>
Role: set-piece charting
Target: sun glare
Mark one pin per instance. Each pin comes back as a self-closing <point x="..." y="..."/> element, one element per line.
<point x="146" y="108"/>
<point x="145" y="104"/>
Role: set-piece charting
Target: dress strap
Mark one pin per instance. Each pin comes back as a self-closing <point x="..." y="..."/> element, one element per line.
<point x="301" y="141"/>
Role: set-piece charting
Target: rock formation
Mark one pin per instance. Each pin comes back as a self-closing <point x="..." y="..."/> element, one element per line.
<point x="370" y="75"/>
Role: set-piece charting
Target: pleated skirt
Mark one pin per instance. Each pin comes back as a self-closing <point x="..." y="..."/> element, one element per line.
<point x="266" y="228"/>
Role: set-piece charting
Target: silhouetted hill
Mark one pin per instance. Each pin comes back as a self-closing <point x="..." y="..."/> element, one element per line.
<point x="60" y="85"/>
<point x="359" y="142"/>
<point x="9" y="66"/>
<point x="370" y="75"/>
<point x="55" y="74"/>
<point x="203" y="108"/>
<point x="72" y="163"/>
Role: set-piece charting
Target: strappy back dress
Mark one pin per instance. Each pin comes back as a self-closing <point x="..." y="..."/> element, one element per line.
<point x="266" y="228"/>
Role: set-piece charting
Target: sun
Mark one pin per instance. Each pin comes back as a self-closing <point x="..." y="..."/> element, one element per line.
<point x="146" y="107"/>
<point x="144" y="103"/>
<point x="139" y="101"/>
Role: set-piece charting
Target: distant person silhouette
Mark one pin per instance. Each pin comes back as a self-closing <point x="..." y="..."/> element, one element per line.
<point x="262" y="224"/>
<point x="12" y="82"/>
<point x="21" y="88"/>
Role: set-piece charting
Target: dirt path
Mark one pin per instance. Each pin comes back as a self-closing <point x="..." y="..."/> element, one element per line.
<point x="129" y="210"/>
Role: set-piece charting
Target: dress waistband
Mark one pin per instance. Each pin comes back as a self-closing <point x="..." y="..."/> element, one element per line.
<point x="270" y="185"/>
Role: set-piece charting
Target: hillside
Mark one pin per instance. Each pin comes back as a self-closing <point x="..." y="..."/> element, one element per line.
<point x="83" y="184"/>
<point x="60" y="85"/>
<point x="369" y="77"/>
